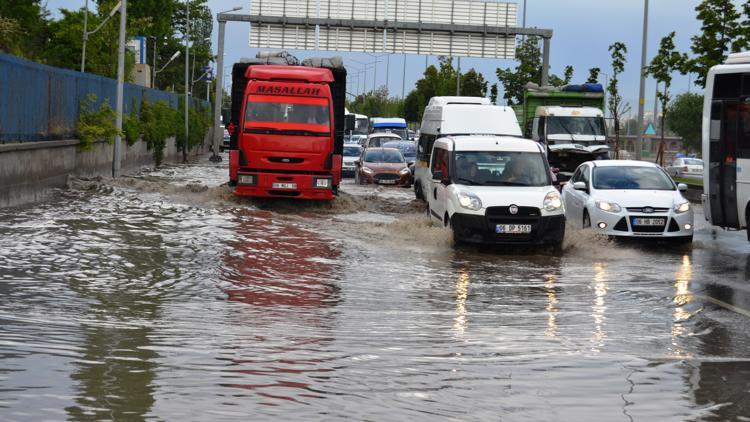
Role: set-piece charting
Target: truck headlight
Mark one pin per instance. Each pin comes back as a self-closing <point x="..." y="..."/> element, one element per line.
<point x="608" y="206"/>
<point x="469" y="201"/>
<point x="322" y="182"/>
<point x="682" y="207"/>
<point x="247" y="179"/>
<point x="552" y="201"/>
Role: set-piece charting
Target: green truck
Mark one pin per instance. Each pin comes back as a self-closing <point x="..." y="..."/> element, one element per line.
<point x="569" y="121"/>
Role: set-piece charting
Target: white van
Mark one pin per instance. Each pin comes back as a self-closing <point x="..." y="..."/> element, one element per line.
<point x="445" y="116"/>
<point x="494" y="190"/>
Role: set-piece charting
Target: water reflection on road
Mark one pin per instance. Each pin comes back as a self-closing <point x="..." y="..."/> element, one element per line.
<point x="164" y="297"/>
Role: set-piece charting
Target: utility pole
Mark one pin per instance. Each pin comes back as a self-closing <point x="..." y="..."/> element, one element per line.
<point x="403" y="80"/>
<point x="120" y="90"/>
<point x="642" y="92"/>
<point x="458" y="78"/>
<point x="187" y="81"/>
<point x="85" y="35"/>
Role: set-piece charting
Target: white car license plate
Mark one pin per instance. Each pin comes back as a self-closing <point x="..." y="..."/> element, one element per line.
<point x="513" y="228"/>
<point x="387" y="182"/>
<point x="284" y="186"/>
<point x="648" y="221"/>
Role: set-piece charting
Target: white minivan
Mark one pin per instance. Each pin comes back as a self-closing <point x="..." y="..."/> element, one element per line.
<point x="494" y="190"/>
<point x="449" y="116"/>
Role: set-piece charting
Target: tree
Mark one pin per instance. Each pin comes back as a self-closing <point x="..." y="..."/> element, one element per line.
<point x="529" y="69"/>
<point x="493" y="94"/>
<point x="377" y="103"/>
<point x="666" y="61"/>
<point x="23" y="28"/>
<point x="618" y="51"/>
<point x="593" y="75"/>
<point x="568" y="74"/>
<point x="684" y="119"/>
<point x="473" y="84"/>
<point x="720" y="33"/>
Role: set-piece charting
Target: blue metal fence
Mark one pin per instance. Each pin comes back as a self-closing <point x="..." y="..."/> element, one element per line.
<point x="40" y="102"/>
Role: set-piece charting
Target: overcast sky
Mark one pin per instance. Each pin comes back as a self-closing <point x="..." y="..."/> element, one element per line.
<point x="583" y="29"/>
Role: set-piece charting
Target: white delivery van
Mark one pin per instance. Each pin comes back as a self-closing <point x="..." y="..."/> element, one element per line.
<point x="446" y="116"/>
<point x="494" y="190"/>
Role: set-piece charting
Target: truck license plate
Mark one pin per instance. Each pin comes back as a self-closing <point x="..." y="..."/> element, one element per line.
<point x="513" y="228"/>
<point x="648" y="221"/>
<point x="284" y="186"/>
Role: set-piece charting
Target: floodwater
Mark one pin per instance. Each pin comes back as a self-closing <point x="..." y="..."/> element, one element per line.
<point x="164" y="297"/>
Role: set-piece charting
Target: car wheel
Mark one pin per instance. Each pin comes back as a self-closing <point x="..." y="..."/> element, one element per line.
<point x="586" y="220"/>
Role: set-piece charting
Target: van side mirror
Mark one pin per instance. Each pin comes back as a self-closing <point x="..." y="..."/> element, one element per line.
<point x="580" y="186"/>
<point x="682" y="187"/>
<point x="357" y="162"/>
<point x="349" y="122"/>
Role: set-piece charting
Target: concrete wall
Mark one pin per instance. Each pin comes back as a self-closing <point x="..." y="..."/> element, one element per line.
<point x="29" y="170"/>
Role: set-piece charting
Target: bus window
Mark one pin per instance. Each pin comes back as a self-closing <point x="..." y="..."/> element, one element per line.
<point x="743" y="135"/>
<point x="715" y="121"/>
<point x="727" y="85"/>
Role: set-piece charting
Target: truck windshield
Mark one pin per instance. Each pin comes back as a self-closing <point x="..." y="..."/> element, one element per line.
<point x="360" y="126"/>
<point x="557" y="125"/>
<point x="501" y="168"/>
<point x="268" y="112"/>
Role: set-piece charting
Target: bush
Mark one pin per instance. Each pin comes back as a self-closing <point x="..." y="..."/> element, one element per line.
<point x="158" y="122"/>
<point x="94" y="125"/>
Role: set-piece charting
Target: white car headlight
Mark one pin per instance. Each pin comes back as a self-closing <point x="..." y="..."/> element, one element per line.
<point x="682" y="207"/>
<point x="367" y="170"/>
<point x="404" y="170"/>
<point x="552" y="201"/>
<point x="608" y="206"/>
<point x="469" y="201"/>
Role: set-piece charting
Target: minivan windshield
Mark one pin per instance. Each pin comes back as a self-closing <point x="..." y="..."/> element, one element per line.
<point x="626" y="177"/>
<point x="383" y="156"/>
<point x="501" y="168"/>
<point x="559" y="125"/>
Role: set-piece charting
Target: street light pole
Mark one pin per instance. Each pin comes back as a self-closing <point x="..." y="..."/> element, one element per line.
<point x="187" y="82"/>
<point x="120" y="90"/>
<point x="642" y="92"/>
<point x="85" y="35"/>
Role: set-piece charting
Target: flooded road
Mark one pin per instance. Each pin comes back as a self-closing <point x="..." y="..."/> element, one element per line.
<point x="162" y="296"/>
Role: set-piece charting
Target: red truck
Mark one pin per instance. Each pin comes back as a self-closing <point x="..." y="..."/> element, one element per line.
<point x="288" y="125"/>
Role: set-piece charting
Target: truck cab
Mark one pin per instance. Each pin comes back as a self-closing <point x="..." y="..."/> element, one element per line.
<point x="285" y="140"/>
<point x="572" y="135"/>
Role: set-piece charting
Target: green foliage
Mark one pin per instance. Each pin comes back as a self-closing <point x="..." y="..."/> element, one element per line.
<point x="720" y="33"/>
<point x="377" y="103"/>
<point x="593" y="75"/>
<point x="618" y="50"/>
<point x="131" y="128"/>
<point x="666" y="62"/>
<point x="23" y="28"/>
<point x="493" y="93"/>
<point x="159" y="121"/>
<point x="685" y="119"/>
<point x="568" y="74"/>
<point x="529" y="69"/>
<point x="93" y="124"/>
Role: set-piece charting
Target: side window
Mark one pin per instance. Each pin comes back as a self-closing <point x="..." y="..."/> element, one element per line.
<point x="436" y="160"/>
<point x="586" y="175"/>
<point x="535" y="129"/>
<point x="743" y="138"/>
<point x="577" y="175"/>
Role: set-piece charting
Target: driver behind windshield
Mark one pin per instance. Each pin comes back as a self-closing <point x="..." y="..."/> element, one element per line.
<point x="466" y="169"/>
<point x="514" y="172"/>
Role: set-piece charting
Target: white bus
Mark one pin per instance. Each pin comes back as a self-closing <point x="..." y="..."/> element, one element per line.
<point x="726" y="143"/>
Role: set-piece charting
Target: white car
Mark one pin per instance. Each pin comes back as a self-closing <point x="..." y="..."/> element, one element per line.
<point x="494" y="190"/>
<point x="628" y="198"/>
<point x="376" y="140"/>
<point x="689" y="168"/>
<point x="352" y="152"/>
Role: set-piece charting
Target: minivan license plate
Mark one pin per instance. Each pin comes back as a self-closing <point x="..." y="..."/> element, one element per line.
<point x="513" y="228"/>
<point x="648" y="221"/>
<point x="284" y="186"/>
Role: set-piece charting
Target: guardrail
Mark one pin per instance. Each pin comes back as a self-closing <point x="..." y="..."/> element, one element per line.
<point x="41" y="103"/>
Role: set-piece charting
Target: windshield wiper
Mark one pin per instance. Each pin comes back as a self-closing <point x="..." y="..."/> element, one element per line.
<point x="469" y="181"/>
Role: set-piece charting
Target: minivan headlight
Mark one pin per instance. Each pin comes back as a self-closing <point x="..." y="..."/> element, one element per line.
<point x="608" y="206"/>
<point x="682" y="207"/>
<point x="469" y="201"/>
<point x="552" y="201"/>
